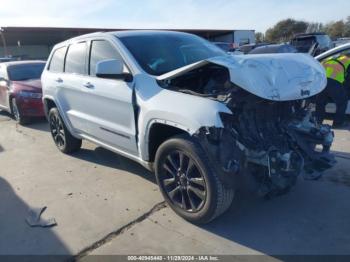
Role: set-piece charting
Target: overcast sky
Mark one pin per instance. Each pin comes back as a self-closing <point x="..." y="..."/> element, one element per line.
<point x="168" y="14"/>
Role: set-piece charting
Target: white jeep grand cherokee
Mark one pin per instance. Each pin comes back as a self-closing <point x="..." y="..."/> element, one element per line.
<point x="196" y="116"/>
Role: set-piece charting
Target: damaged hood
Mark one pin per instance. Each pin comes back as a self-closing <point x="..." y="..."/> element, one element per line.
<point x="279" y="77"/>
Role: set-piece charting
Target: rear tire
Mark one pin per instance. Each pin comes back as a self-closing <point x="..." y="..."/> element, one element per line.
<point x="20" y="119"/>
<point x="63" y="139"/>
<point x="188" y="182"/>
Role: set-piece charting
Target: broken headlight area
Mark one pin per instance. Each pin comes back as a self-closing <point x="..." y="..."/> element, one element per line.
<point x="276" y="141"/>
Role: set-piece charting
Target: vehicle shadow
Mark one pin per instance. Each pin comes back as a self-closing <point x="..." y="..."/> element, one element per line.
<point x="312" y="219"/>
<point x="37" y="123"/>
<point x="5" y="115"/>
<point x="18" y="238"/>
<point x="107" y="158"/>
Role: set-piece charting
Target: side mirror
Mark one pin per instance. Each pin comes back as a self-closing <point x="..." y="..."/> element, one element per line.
<point x="112" y="69"/>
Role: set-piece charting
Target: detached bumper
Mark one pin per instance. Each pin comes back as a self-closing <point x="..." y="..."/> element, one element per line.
<point x="30" y="107"/>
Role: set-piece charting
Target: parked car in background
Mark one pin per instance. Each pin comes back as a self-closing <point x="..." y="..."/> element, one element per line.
<point x="227" y="47"/>
<point x="276" y="48"/>
<point x="20" y="89"/>
<point x="8" y="59"/>
<point x="230" y="48"/>
<point x="341" y="41"/>
<point x="304" y="42"/>
<point x="184" y="108"/>
<point x="245" y="49"/>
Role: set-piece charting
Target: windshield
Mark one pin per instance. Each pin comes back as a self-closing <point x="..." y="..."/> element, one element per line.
<point x="303" y="44"/>
<point x="324" y="41"/>
<point x="25" y="71"/>
<point x="158" y="54"/>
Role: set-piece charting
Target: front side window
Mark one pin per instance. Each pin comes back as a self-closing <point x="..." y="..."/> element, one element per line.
<point x="101" y="50"/>
<point x="57" y="60"/>
<point x="158" y="54"/>
<point x="76" y="58"/>
<point x="25" y="71"/>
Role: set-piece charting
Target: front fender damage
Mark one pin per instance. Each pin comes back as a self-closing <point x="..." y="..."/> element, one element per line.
<point x="222" y="151"/>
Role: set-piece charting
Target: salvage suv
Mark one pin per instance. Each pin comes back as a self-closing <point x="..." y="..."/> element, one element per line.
<point x="185" y="109"/>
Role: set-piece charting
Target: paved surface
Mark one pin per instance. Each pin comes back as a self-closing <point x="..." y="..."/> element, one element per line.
<point x="106" y="204"/>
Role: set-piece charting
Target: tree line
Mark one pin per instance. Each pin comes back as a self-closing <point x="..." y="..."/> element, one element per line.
<point x="284" y="30"/>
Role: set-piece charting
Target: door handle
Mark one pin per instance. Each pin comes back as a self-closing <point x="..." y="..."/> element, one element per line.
<point x="59" y="80"/>
<point x="89" y="85"/>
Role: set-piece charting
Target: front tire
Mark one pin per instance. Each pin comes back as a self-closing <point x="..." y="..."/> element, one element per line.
<point x="188" y="183"/>
<point x="20" y="119"/>
<point x="63" y="139"/>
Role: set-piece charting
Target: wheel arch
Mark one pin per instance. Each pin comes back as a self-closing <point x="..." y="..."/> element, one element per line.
<point x="159" y="131"/>
<point x="49" y="103"/>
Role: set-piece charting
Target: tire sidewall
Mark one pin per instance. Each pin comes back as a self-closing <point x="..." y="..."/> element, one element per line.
<point x="55" y="112"/>
<point x="192" y="150"/>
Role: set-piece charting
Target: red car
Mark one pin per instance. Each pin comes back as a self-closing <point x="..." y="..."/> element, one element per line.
<point x="20" y="89"/>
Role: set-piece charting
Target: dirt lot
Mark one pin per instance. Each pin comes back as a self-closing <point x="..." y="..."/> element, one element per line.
<point x="106" y="204"/>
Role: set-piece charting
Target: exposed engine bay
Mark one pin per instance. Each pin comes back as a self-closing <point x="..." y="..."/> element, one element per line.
<point x="275" y="141"/>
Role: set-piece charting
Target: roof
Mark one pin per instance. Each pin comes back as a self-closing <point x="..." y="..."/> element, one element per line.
<point x="145" y="32"/>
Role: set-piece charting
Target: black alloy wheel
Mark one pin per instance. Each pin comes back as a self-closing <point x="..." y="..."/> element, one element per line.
<point x="57" y="131"/>
<point x="62" y="137"/>
<point x="183" y="182"/>
<point x="188" y="181"/>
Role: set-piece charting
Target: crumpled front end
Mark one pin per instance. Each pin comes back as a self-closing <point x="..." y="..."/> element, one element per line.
<point x="274" y="141"/>
<point x="274" y="137"/>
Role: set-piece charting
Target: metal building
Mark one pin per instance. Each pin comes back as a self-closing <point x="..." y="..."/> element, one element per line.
<point x="36" y="42"/>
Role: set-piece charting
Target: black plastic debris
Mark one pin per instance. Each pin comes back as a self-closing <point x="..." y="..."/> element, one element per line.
<point x="34" y="218"/>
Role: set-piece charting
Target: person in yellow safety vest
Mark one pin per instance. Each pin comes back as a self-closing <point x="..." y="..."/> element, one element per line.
<point x="337" y="90"/>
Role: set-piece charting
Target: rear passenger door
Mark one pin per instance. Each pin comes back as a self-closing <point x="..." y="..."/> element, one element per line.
<point x="72" y="91"/>
<point x="107" y="103"/>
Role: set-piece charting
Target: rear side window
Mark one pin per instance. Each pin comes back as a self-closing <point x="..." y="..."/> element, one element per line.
<point x="101" y="50"/>
<point x="57" y="60"/>
<point x="75" y="60"/>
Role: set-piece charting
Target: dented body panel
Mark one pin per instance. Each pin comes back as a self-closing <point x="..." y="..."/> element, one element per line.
<point x="158" y="105"/>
